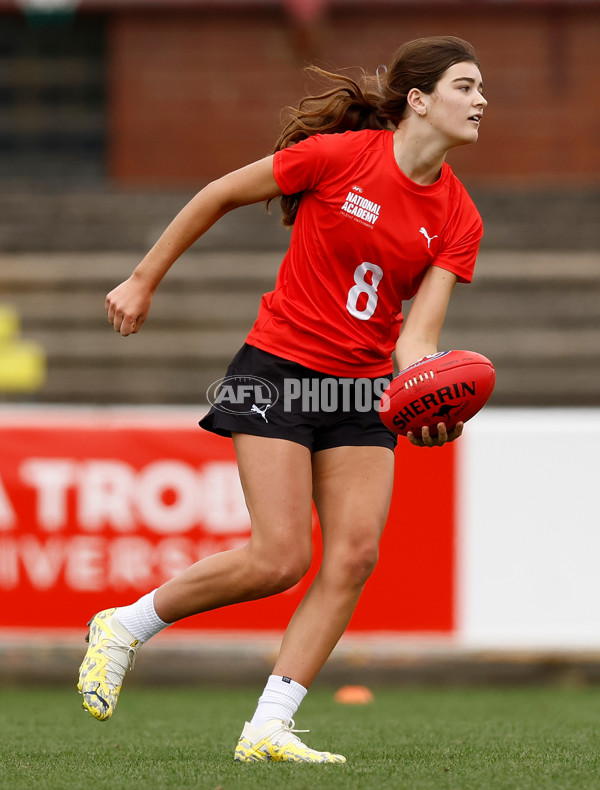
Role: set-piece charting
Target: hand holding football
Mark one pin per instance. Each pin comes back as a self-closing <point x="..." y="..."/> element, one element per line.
<point x="448" y="387"/>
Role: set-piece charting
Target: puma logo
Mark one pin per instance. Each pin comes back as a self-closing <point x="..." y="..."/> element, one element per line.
<point x="427" y="236"/>
<point x="257" y="410"/>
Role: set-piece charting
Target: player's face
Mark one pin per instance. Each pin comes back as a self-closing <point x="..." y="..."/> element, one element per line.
<point x="456" y="106"/>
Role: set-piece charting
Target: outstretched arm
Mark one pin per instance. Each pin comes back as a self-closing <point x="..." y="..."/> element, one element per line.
<point x="128" y="304"/>
<point x="420" y="337"/>
<point x="421" y="332"/>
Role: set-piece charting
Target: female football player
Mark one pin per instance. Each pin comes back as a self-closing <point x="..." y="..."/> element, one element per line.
<point x="378" y="218"/>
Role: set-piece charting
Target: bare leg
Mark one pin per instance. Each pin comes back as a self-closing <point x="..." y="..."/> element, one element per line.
<point x="352" y="491"/>
<point x="277" y="479"/>
<point x="277" y="483"/>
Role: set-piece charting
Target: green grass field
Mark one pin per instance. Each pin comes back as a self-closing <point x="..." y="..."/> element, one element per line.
<point x="419" y="739"/>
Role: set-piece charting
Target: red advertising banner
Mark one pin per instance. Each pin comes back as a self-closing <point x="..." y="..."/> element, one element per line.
<point x="99" y="507"/>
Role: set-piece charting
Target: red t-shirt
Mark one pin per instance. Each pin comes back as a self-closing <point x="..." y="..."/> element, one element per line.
<point x="363" y="238"/>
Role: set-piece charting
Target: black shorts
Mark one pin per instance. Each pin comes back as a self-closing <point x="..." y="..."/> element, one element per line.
<point x="265" y="395"/>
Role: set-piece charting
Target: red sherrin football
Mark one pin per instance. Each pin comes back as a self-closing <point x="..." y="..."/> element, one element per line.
<point x="449" y="387"/>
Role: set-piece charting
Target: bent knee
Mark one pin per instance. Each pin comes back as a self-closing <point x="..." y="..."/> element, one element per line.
<point x="274" y="573"/>
<point x="287" y="577"/>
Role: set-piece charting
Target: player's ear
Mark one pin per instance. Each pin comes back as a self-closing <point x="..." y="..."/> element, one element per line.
<point x="415" y="100"/>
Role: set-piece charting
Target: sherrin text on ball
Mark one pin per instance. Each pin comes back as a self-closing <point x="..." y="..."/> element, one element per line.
<point x="448" y="387"/>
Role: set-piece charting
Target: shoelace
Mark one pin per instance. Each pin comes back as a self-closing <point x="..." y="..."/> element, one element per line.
<point x="290" y="726"/>
<point x="290" y="731"/>
<point x="123" y="659"/>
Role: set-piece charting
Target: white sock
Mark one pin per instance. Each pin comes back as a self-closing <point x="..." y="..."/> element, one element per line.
<point x="280" y="699"/>
<point x="140" y="618"/>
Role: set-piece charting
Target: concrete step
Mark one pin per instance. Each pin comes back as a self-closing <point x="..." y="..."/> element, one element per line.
<point x="96" y="217"/>
<point x="536" y="315"/>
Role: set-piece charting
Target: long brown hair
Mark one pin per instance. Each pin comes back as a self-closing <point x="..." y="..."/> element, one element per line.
<point x="378" y="103"/>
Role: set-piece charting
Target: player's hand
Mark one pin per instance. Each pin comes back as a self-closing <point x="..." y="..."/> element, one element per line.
<point x="127" y="306"/>
<point x="443" y="437"/>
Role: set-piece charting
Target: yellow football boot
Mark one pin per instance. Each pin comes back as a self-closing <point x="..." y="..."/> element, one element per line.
<point x="277" y="741"/>
<point x="111" y="653"/>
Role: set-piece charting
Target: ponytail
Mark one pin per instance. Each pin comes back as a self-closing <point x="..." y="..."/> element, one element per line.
<point x="345" y="107"/>
<point x="377" y="104"/>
